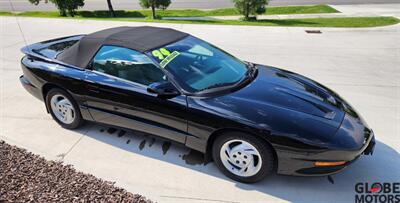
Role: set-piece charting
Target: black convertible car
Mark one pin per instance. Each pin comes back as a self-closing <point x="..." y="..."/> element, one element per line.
<point x="251" y="119"/>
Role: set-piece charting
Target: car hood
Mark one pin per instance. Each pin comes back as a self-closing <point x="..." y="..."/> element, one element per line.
<point x="284" y="89"/>
<point x="279" y="102"/>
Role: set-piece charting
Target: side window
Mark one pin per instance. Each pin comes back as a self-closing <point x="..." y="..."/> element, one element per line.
<point x="127" y="64"/>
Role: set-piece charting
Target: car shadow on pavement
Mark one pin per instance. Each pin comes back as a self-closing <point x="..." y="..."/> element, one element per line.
<point x="383" y="166"/>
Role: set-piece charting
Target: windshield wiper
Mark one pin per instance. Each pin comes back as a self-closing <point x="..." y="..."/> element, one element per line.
<point x="216" y="85"/>
<point x="249" y="74"/>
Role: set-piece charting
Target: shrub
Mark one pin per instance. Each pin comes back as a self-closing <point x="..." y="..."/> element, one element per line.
<point x="69" y="6"/>
<point x="250" y="7"/>
<point x="64" y="6"/>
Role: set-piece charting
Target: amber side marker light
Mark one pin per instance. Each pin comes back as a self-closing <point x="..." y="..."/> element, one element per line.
<point x="329" y="163"/>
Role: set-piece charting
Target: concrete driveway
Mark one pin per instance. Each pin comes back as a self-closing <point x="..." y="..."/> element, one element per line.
<point x="362" y="65"/>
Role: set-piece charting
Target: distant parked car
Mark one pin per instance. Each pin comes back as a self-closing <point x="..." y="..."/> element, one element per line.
<point x="251" y="119"/>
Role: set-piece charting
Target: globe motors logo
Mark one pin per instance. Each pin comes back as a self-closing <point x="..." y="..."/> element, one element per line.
<point x="377" y="192"/>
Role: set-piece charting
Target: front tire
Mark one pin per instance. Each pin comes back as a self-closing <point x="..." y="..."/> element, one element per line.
<point x="243" y="157"/>
<point x="63" y="109"/>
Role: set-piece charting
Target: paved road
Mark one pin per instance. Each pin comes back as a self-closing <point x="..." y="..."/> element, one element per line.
<point x="362" y="65"/>
<point x="24" y="5"/>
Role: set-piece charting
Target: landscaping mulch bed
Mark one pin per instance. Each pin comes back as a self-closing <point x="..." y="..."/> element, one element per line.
<point x="25" y="177"/>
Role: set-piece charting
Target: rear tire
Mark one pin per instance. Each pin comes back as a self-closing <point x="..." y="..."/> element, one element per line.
<point x="63" y="109"/>
<point x="243" y="157"/>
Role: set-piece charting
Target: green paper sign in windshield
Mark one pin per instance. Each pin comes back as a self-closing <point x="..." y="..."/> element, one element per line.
<point x="169" y="58"/>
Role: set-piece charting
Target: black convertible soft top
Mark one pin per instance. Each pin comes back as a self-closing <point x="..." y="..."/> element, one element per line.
<point x="142" y="39"/>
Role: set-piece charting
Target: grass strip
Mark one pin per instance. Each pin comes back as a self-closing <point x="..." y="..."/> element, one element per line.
<point x="347" y="22"/>
<point x="183" y="12"/>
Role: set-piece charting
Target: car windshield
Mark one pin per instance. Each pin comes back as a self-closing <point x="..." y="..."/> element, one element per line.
<point x="197" y="65"/>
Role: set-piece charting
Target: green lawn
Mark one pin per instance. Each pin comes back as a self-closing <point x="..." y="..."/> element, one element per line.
<point x="233" y="11"/>
<point x="141" y="16"/>
<point x="300" y="10"/>
<point x="185" y="12"/>
<point x="5" y="13"/>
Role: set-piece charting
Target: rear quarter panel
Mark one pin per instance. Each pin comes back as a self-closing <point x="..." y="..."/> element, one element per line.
<point x="40" y="73"/>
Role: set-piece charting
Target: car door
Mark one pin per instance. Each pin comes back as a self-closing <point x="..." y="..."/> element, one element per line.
<point x="117" y="94"/>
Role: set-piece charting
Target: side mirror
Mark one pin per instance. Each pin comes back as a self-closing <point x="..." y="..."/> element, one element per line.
<point x="163" y="89"/>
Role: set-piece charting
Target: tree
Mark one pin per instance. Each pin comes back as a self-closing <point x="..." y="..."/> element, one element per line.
<point x="153" y="4"/>
<point x="250" y="7"/>
<point x="64" y="6"/>
<point x="110" y="8"/>
<point x="69" y="6"/>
